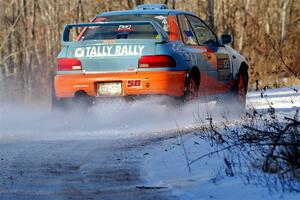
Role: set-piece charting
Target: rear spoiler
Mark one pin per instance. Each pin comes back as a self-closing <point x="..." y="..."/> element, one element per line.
<point x="163" y="35"/>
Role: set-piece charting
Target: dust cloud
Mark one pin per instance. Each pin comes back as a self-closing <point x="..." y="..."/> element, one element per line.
<point x="113" y="118"/>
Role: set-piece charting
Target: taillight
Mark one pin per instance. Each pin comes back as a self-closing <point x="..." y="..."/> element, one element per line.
<point x="156" y="61"/>
<point x="66" y="64"/>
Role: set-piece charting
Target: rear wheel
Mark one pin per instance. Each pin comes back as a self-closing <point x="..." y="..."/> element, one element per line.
<point x="82" y="102"/>
<point x="79" y="103"/>
<point x="192" y="88"/>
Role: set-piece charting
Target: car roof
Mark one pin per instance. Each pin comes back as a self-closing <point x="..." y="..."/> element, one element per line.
<point x="139" y="12"/>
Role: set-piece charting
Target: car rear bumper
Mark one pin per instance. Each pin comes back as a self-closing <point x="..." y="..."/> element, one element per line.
<point x="158" y="82"/>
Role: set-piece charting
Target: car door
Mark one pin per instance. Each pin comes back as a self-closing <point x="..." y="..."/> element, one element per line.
<point x="213" y="61"/>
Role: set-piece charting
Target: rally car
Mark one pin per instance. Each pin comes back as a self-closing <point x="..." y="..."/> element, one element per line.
<point x="151" y="50"/>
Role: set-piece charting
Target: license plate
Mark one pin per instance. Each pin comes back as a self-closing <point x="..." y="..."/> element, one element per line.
<point x="111" y="89"/>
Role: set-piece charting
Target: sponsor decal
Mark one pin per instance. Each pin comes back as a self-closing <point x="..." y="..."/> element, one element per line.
<point x="79" y="52"/>
<point x="105" y="50"/>
<point x="224" y="70"/>
<point x="223" y="63"/>
<point x="80" y="86"/>
<point x="109" y="41"/>
<point x="125" y="28"/>
<point x="134" y="83"/>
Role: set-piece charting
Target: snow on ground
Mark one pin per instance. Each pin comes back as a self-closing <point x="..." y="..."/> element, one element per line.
<point x="280" y="98"/>
<point x="119" y="145"/>
<point x="166" y="166"/>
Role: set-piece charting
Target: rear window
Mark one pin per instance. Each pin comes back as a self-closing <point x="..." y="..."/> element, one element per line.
<point x="126" y="31"/>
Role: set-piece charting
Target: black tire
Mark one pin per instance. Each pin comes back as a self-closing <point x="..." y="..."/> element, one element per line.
<point x="75" y="104"/>
<point x="241" y="86"/>
<point x="79" y="103"/>
<point x="192" y="87"/>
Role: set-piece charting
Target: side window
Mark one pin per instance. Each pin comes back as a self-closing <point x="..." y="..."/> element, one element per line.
<point x="204" y="35"/>
<point x="186" y="31"/>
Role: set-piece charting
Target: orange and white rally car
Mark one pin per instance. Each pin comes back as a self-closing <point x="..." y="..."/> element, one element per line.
<point x="151" y="50"/>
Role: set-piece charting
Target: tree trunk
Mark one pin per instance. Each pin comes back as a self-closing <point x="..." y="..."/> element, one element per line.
<point x="267" y="17"/>
<point x="173" y="4"/>
<point x="139" y="2"/>
<point x="283" y="20"/>
<point x="10" y="43"/>
<point x="30" y="64"/>
<point x="130" y="4"/>
<point x="210" y="13"/>
<point x="244" y="27"/>
<point x="78" y="14"/>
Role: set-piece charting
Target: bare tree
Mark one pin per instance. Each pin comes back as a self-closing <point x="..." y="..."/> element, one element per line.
<point x="244" y="26"/>
<point x="210" y="13"/>
<point x="130" y="4"/>
<point x="139" y="2"/>
<point x="283" y="13"/>
<point x="173" y="4"/>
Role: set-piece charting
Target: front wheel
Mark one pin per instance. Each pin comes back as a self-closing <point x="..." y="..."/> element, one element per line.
<point x="241" y="89"/>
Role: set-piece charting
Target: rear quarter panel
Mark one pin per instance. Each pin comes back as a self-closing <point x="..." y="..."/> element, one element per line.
<point x="175" y="50"/>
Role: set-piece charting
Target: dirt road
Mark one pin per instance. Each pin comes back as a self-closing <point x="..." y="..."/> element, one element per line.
<point x="74" y="170"/>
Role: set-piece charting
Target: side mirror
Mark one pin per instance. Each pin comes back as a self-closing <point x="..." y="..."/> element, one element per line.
<point x="226" y="38"/>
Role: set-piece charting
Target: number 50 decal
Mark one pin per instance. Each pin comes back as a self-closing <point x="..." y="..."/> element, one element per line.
<point x="134" y="83"/>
